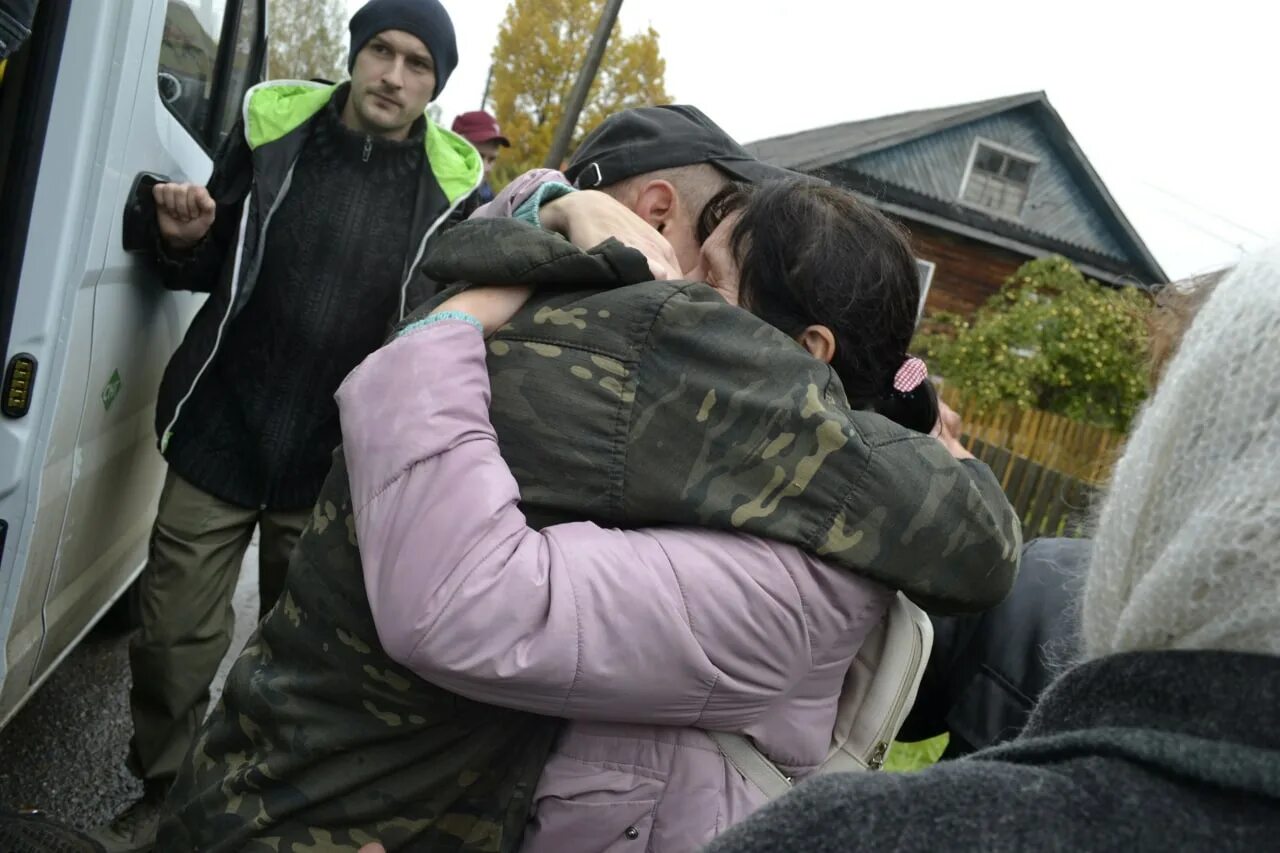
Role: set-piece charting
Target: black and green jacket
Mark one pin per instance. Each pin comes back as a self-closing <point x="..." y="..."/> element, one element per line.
<point x="251" y="176"/>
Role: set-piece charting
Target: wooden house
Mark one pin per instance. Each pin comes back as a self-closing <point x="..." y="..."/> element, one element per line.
<point x="982" y="188"/>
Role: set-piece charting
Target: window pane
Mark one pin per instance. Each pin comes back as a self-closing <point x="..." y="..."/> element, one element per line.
<point x="924" y="270"/>
<point x="980" y="188"/>
<point x="242" y="68"/>
<point x="988" y="160"/>
<point x="993" y="197"/>
<point x="1011" y="200"/>
<point x="1018" y="171"/>
<point x="995" y="193"/>
<point x="188" y="52"/>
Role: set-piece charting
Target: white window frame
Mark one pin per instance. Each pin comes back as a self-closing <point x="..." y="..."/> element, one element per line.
<point x="227" y="37"/>
<point x="1003" y="149"/>
<point x="930" y="267"/>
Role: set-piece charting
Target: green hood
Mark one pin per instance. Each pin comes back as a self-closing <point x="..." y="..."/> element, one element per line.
<point x="274" y="109"/>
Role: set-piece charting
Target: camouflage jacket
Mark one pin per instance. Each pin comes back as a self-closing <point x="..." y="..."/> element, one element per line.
<point x="628" y="403"/>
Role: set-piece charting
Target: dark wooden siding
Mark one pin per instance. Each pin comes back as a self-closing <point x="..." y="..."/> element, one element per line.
<point x="968" y="271"/>
<point x="1056" y="206"/>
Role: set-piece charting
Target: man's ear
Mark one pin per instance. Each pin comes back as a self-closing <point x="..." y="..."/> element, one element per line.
<point x="820" y="342"/>
<point x="656" y="203"/>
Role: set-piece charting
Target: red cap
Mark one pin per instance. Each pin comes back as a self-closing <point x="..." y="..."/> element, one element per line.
<point x="478" y="126"/>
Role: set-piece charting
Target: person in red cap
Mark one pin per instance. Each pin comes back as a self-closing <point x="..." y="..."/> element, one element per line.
<point x="481" y="130"/>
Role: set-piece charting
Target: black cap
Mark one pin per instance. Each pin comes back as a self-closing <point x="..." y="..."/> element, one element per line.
<point x="647" y="139"/>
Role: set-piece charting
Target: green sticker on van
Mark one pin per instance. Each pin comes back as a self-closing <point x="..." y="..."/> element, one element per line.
<point x="111" y="390"/>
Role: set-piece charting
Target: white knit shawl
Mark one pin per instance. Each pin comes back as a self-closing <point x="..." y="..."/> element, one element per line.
<point x="1187" y="552"/>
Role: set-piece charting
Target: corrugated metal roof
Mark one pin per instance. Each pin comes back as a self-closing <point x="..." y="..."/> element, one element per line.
<point x="823" y="146"/>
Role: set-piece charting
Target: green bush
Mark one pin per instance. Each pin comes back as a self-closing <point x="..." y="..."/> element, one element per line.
<point x="1051" y="339"/>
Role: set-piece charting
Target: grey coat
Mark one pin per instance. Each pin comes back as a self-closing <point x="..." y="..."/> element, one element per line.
<point x="1146" y="751"/>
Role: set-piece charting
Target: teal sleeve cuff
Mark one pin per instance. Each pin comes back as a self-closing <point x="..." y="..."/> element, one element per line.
<point x="440" y="317"/>
<point x="550" y="191"/>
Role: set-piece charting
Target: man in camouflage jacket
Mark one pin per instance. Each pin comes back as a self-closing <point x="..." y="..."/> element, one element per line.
<point x="651" y="403"/>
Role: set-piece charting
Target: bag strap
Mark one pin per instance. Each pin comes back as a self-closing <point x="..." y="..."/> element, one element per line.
<point x="752" y="764"/>
<point x="877" y="694"/>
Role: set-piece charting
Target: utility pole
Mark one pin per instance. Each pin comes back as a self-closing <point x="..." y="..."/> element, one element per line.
<point x="578" y="96"/>
<point x="487" y="83"/>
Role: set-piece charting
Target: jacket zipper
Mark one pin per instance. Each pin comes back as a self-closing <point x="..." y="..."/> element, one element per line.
<point x="875" y="761"/>
<point x="222" y="325"/>
<point x="368" y="149"/>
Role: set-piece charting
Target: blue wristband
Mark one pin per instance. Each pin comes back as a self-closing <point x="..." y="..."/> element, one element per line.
<point x="440" y="317"/>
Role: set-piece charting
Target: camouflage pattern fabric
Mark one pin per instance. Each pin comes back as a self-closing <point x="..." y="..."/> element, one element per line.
<point x="320" y="742"/>
<point x="659" y="403"/>
<point x="616" y="399"/>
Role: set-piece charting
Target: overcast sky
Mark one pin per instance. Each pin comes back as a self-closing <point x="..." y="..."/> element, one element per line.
<point x="1177" y="109"/>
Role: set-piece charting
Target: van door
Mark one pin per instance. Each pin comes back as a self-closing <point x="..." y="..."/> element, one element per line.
<point x="45" y="320"/>
<point x="193" y="71"/>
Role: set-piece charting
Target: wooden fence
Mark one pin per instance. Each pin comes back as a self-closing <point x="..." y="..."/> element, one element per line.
<point x="1051" y="467"/>
<point x="1049" y="502"/>
<point x="1078" y="450"/>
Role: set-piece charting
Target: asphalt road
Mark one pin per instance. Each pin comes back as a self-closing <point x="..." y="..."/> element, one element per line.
<point x="64" y="752"/>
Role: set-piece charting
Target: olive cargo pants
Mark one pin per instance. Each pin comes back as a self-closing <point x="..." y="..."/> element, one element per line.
<point x="185" y="592"/>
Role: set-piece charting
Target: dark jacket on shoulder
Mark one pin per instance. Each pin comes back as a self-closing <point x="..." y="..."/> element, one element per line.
<point x="1145" y="751"/>
<point x="986" y="672"/>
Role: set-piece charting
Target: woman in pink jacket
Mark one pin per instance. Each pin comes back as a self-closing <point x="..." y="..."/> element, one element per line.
<point x="504" y="614"/>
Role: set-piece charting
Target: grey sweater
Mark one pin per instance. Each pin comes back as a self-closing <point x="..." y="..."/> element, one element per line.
<point x="1147" y="751"/>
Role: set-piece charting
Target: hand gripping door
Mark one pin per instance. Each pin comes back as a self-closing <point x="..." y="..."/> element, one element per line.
<point x="878" y="693"/>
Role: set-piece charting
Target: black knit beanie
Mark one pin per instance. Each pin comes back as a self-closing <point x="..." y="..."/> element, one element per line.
<point x="425" y="19"/>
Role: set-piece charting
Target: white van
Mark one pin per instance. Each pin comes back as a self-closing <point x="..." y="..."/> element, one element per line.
<point x="103" y="92"/>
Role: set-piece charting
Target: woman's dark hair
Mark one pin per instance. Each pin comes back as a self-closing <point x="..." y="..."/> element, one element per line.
<point x="811" y="254"/>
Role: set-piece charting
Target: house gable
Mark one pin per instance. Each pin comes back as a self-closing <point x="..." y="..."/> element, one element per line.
<point x="915" y="166"/>
<point x="1056" y="206"/>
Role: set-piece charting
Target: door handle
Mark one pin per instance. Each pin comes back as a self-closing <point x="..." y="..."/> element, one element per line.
<point x="139" y="231"/>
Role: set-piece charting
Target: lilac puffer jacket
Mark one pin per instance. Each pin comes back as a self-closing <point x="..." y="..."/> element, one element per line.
<point x="640" y="637"/>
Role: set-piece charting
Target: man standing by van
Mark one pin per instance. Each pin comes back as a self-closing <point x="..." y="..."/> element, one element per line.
<point x="306" y="237"/>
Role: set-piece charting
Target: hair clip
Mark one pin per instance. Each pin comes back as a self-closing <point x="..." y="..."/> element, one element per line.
<point x="909" y="377"/>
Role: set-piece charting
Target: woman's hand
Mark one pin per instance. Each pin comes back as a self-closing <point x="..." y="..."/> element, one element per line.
<point x="492" y="305"/>
<point x="948" y="431"/>
<point x="589" y="217"/>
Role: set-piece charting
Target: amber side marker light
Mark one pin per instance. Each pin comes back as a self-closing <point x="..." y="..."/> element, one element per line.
<point x="18" y="379"/>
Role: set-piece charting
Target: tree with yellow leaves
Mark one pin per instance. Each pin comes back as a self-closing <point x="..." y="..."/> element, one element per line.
<point x="541" y="47"/>
<point x="308" y="40"/>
